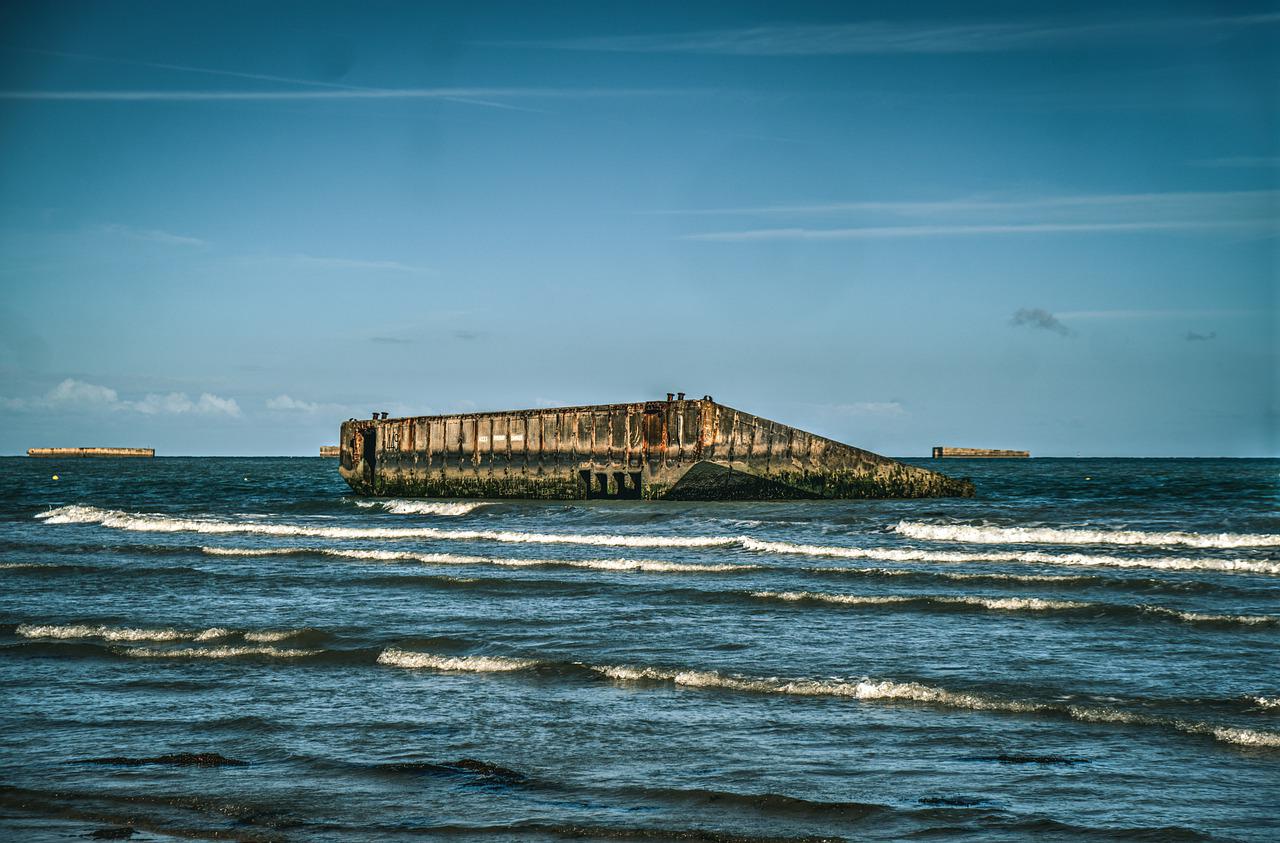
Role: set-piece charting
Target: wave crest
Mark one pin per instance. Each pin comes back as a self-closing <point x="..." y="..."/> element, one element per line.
<point x="1057" y="535"/>
<point x="395" y="657"/>
<point x="649" y="565"/>
<point x="216" y="652"/>
<point x="156" y="523"/>
<point x="414" y="507"/>
<point x="141" y="634"/>
<point x="1010" y="604"/>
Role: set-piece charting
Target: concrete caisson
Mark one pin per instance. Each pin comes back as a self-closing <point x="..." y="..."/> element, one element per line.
<point x="674" y="450"/>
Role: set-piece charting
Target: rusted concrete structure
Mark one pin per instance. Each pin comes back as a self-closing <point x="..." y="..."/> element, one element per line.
<point x="91" y="452"/>
<point x="330" y="451"/>
<point x="673" y="449"/>
<point x="941" y="451"/>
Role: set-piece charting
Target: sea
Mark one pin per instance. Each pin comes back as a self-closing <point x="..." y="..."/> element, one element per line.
<point x="242" y="649"/>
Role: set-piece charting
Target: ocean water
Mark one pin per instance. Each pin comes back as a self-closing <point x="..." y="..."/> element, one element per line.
<point x="1089" y="649"/>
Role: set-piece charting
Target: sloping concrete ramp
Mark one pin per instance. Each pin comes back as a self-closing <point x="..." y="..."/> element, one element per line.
<point x="675" y="449"/>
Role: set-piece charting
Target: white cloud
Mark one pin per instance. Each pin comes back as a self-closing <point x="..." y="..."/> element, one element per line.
<point x="178" y="403"/>
<point x="72" y="393"/>
<point x="285" y="403"/>
<point x="210" y="403"/>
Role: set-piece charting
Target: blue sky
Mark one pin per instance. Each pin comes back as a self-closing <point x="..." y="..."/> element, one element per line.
<point x="226" y="227"/>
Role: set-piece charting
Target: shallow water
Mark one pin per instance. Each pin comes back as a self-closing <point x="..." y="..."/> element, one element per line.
<point x="1086" y="650"/>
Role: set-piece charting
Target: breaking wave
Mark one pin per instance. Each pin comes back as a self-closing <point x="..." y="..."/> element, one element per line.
<point x="216" y="652"/>
<point x="1016" y="604"/>
<point x="651" y="565"/>
<point x="1028" y="557"/>
<point x="154" y="523"/>
<point x="395" y="657"/>
<point x="1009" y="604"/>
<point x="138" y="634"/>
<point x="117" y="633"/>
<point x="1053" y="535"/>
<point x="865" y="689"/>
<point x="888" y="690"/>
<point x="412" y="507"/>
<point x="117" y="519"/>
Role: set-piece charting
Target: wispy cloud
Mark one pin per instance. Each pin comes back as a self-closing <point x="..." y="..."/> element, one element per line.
<point x="1241" y="211"/>
<point x="186" y="68"/>
<point x="390" y="340"/>
<point x="1192" y="336"/>
<point x="883" y="232"/>
<point x="1216" y="202"/>
<point x="1035" y="317"/>
<point x="911" y="37"/>
<point x="263" y="77"/>
<point x="349" y="263"/>
<point x="471" y="95"/>
<point x="1241" y="161"/>
<point x="74" y="394"/>
<point x="151" y="235"/>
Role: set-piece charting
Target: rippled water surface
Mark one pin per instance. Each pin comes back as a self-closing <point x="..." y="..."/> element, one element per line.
<point x="241" y="649"/>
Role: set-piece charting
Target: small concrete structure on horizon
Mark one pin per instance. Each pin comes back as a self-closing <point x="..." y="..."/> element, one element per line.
<point x="941" y="451"/>
<point x="330" y="450"/>
<point x="91" y="452"/>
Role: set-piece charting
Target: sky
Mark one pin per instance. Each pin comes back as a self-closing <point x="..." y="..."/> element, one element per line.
<point x="227" y="227"/>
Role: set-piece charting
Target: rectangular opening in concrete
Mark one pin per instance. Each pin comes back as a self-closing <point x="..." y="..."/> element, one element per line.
<point x="627" y="484"/>
<point x="370" y="447"/>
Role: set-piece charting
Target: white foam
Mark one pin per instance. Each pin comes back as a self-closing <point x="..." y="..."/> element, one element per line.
<point x="138" y="522"/>
<point x="245" y="551"/>
<point x="867" y="689"/>
<point x="1208" y="617"/>
<point x="272" y="635"/>
<point x="1027" y="557"/>
<point x="1267" y="702"/>
<point x="863" y="689"/>
<point x="416" y="507"/>
<point x="649" y="565"/>
<point x="1010" y="604"/>
<point x="216" y="652"/>
<point x="395" y="657"/>
<point x="1054" y="535"/>
<point x="12" y="565"/>
<point x="1014" y="604"/>
<point x="106" y="633"/>
<point x="130" y="634"/>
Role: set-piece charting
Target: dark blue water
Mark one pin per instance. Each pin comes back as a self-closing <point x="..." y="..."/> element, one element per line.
<point x="1087" y="650"/>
